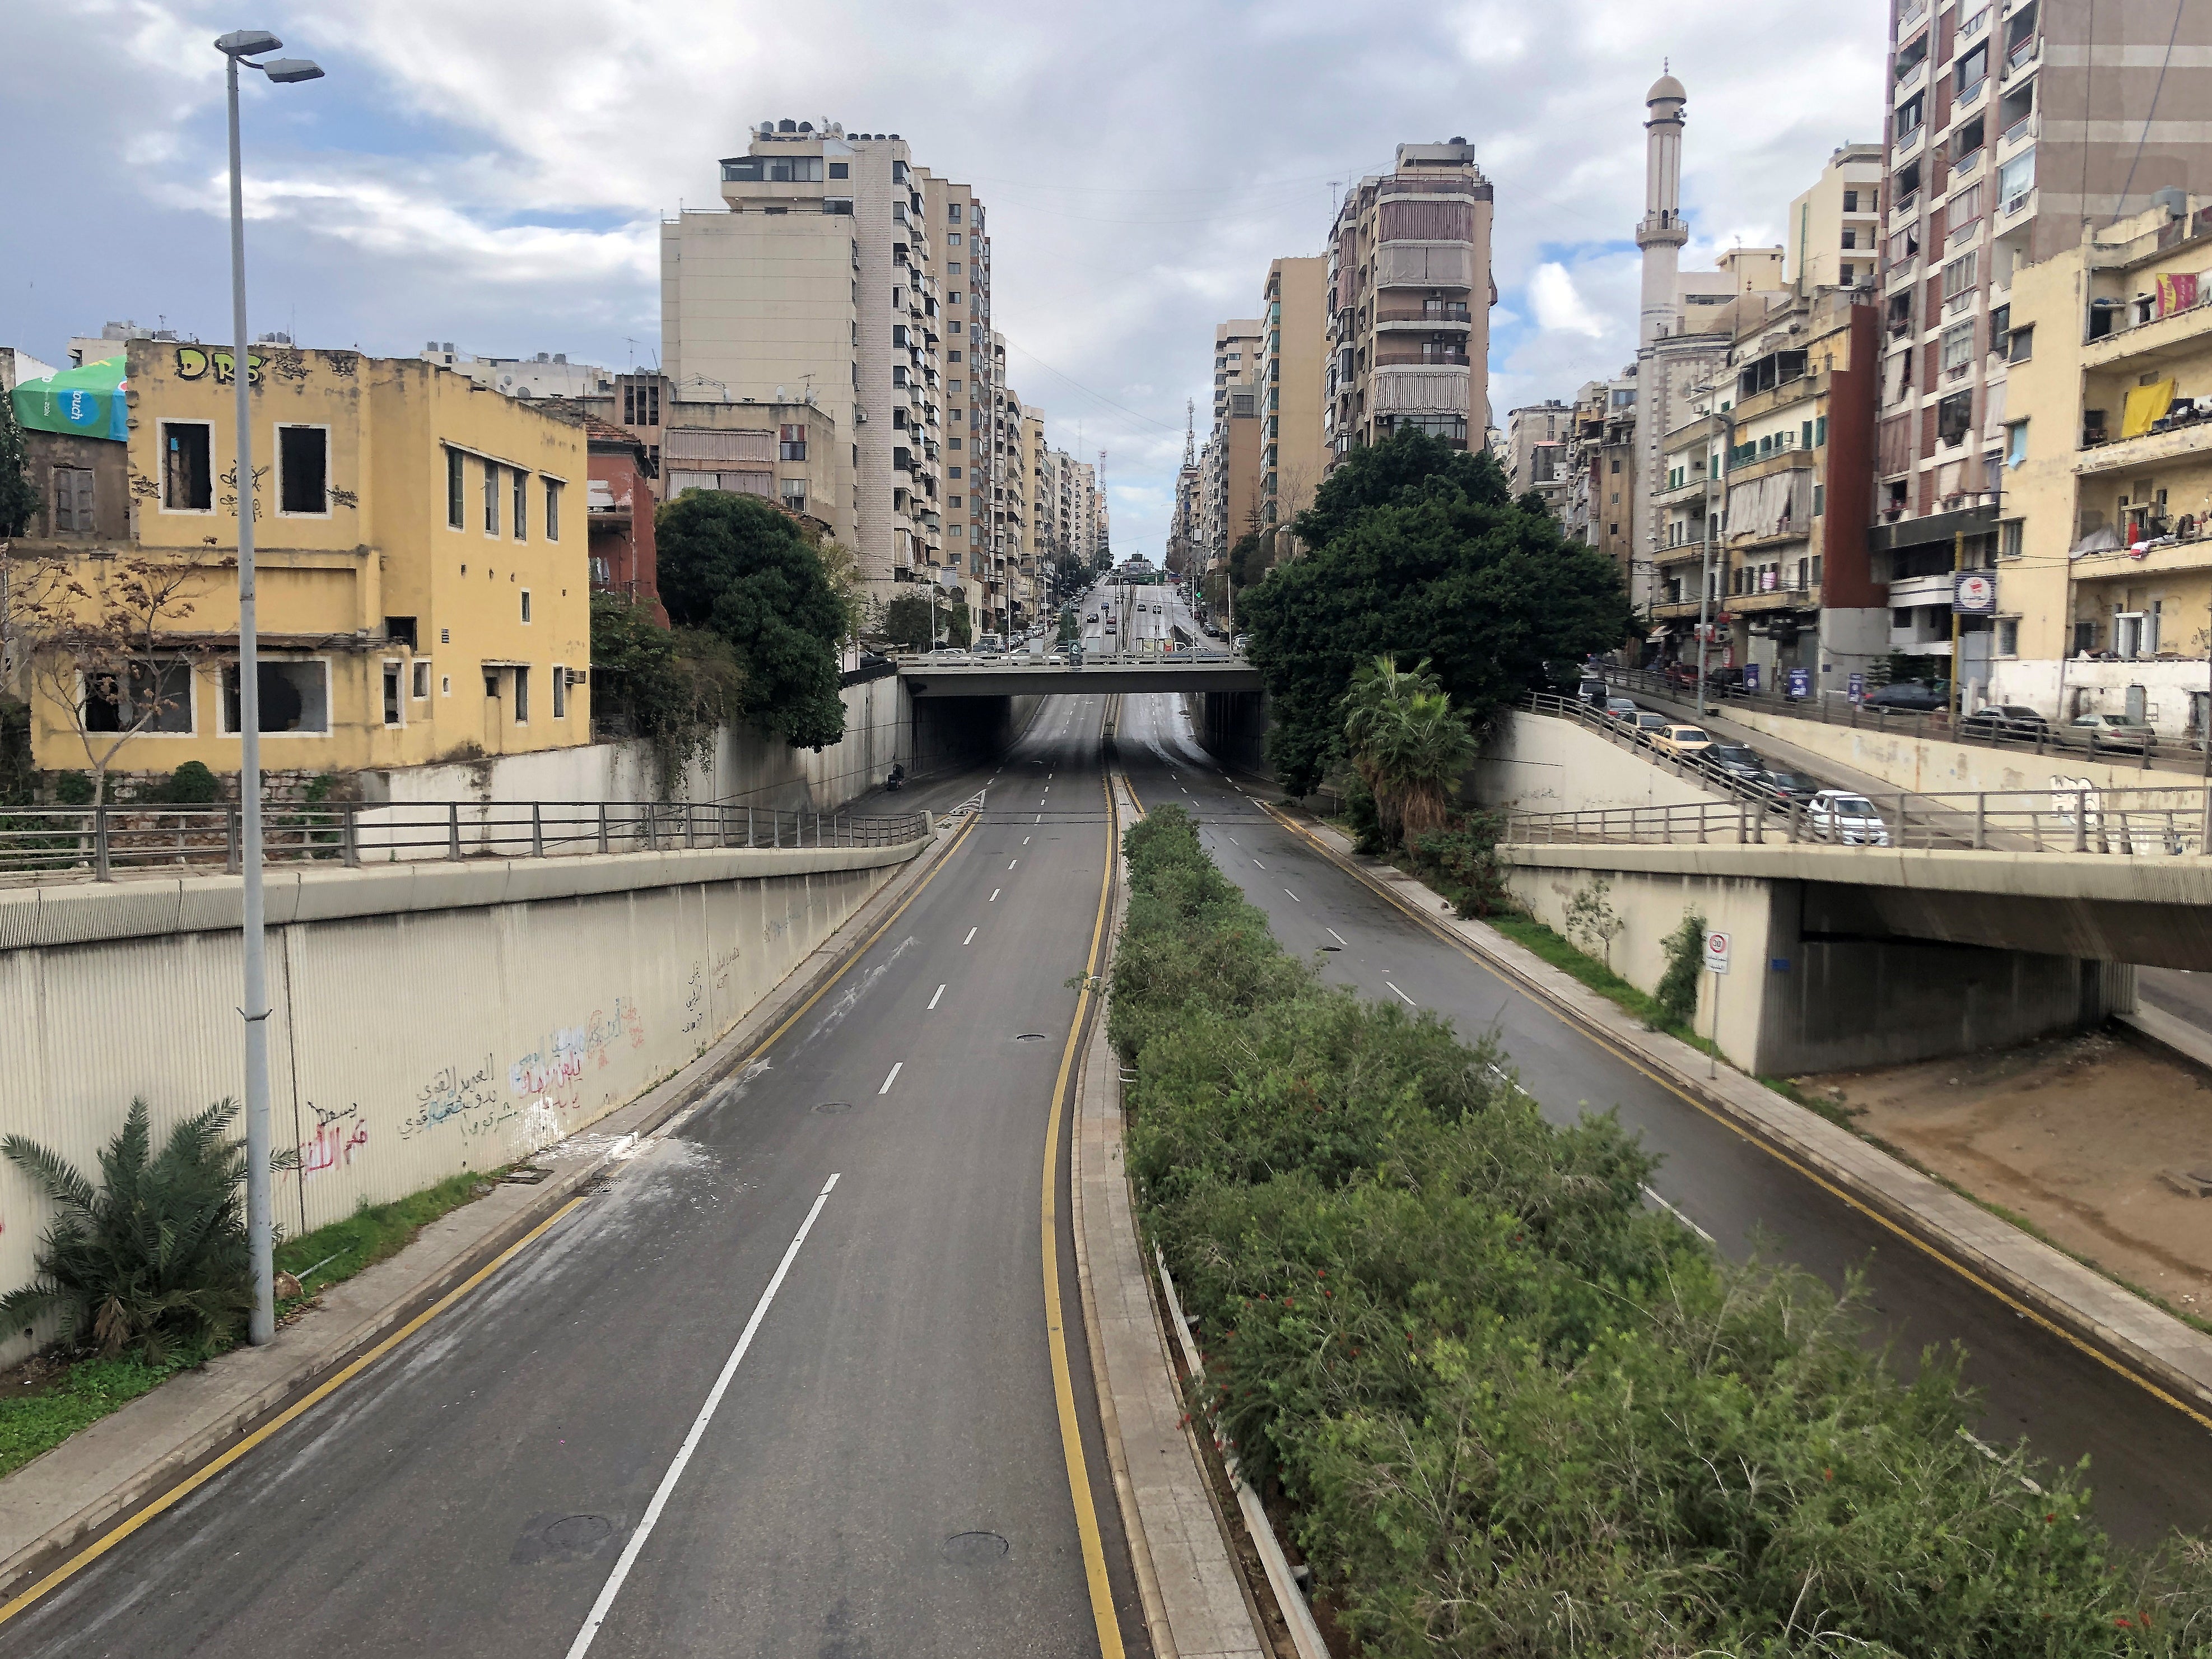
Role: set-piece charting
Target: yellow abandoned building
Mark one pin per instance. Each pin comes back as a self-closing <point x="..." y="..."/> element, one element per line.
<point x="422" y="552"/>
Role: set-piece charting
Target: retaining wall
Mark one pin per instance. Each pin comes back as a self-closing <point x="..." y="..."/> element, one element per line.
<point x="428" y="1019"/>
<point x="1541" y="763"/>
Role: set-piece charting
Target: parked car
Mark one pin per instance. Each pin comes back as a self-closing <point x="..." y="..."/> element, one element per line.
<point x="1648" y="724"/>
<point x="2004" y="719"/>
<point x="1685" y="741"/>
<point x="1787" y="786"/>
<point x="2115" y="731"/>
<point x="1622" y="708"/>
<point x="1921" y="696"/>
<point x="1734" y="760"/>
<point x="1841" y="816"/>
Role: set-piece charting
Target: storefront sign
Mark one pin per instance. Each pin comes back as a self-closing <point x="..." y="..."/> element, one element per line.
<point x="1974" y="593"/>
<point x="1799" y="682"/>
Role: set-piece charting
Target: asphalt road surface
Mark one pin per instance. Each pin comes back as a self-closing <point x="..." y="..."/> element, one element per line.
<point x="2150" y="1467"/>
<point x="883" y="1475"/>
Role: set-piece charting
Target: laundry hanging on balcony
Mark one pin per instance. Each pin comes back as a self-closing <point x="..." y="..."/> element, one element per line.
<point x="2146" y="403"/>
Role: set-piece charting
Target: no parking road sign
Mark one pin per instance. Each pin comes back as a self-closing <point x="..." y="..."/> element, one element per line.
<point x="1716" y="952"/>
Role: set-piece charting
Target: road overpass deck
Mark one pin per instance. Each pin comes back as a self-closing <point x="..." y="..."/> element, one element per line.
<point x="1017" y="677"/>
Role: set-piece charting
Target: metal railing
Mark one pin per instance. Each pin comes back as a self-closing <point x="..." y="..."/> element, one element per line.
<point x="2147" y="751"/>
<point x="2082" y="818"/>
<point x="2135" y="823"/>
<point x="104" y="840"/>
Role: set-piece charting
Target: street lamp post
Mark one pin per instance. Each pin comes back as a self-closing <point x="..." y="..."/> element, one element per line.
<point x="243" y="46"/>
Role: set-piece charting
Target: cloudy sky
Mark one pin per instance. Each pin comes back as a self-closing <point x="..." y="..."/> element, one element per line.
<point x="490" y="171"/>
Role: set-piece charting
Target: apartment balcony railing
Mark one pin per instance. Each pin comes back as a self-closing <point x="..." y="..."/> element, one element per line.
<point x="101" y="842"/>
<point x="1419" y="316"/>
<point x="2022" y="57"/>
<point x="1432" y="356"/>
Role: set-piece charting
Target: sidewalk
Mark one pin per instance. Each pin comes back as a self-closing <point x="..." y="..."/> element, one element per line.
<point x="193" y="1425"/>
<point x="1195" y="1599"/>
<point x="2073" y="1301"/>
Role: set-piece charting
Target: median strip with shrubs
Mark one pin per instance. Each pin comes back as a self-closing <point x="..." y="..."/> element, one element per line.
<point x="1507" y="1409"/>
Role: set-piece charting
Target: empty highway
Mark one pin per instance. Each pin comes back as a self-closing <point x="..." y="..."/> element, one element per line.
<point x="878" y="1472"/>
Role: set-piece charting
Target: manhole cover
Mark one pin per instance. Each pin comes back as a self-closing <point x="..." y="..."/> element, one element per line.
<point x="578" y="1532"/>
<point x="835" y="1106"/>
<point x="975" y="1549"/>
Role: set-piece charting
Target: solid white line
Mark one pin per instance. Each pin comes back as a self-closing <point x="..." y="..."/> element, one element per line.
<point x="1010" y="863"/>
<point x="970" y="939"/>
<point x="901" y="1066"/>
<point x="1261" y="865"/>
<point x="1025" y="841"/>
<point x="1678" y="1215"/>
<point x="613" y="1588"/>
<point x="933" y="1001"/>
<point x="1409" y="1002"/>
<point x="1295" y="899"/>
<point x="1338" y="938"/>
<point x="995" y="892"/>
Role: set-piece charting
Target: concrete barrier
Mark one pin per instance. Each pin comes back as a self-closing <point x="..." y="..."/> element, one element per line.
<point x="428" y="1019"/>
<point x="1538" y="763"/>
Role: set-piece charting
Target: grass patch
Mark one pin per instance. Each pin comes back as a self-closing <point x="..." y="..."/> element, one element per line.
<point x="1534" y="937"/>
<point x="51" y="1397"/>
<point x="375" y="1232"/>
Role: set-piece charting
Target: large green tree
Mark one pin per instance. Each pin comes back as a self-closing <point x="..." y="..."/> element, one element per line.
<point x="1420" y="550"/>
<point x="734" y="566"/>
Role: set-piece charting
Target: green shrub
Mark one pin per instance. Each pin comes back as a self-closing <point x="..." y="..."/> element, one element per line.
<point x="191" y="785"/>
<point x="1511" y="1410"/>
<point x="1463" y="860"/>
<point x="72" y="789"/>
<point x="153" y="1260"/>
<point x="1686" y="960"/>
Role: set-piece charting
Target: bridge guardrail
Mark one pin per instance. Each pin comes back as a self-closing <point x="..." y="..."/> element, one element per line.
<point x="2165" y="820"/>
<point x="2169" y="754"/>
<point x="103" y="840"/>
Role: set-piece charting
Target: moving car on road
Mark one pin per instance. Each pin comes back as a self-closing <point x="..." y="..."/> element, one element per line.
<point x="2115" y="731"/>
<point x="1648" y="724"/>
<point x="1841" y="816"/>
<point x="1622" y="709"/>
<point x="1786" y="786"/>
<point x="1919" y="696"/>
<point x="1685" y="741"/>
<point x="2004" y="719"/>
<point x="1734" y="760"/>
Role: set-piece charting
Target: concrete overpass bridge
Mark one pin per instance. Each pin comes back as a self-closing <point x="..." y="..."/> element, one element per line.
<point x="1982" y="918"/>
<point x="1022" y="677"/>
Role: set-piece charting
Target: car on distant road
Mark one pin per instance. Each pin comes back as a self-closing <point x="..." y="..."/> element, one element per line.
<point x="1786" y="786"/>
<point x="1839" y="815"/>
<point x="1734" y="760"/>
<point x="2004" y="719"/>
<point x="1916" y="696"/>
<point x="1592" y="691"/>
<point x="1647" y="723"/>
<point x="1622" y="708"/>
<point x="1685" y="741"/>
<point x="2115" y="731"/>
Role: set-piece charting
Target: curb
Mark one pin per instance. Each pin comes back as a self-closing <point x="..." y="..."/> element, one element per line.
<point x="616" y="1132"/>
<point x="1782" y="1132"/>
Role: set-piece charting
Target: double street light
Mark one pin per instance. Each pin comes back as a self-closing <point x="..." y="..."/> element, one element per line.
<point x="244" y="47"/>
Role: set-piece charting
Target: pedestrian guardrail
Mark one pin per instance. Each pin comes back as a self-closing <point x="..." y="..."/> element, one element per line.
<point x="2148" y="750"/>
<point x="102" y="840"/>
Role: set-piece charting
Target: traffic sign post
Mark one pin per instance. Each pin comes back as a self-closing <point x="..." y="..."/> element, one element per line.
<point x="1718" y="945"/>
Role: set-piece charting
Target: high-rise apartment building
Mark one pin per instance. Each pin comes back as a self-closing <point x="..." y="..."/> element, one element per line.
<point x="821" y="277"/>
<point x="1537" y="436"/>
<point x="2013" y="130"/>
<point x="1834" y="229"/>
<point x="1293" y="345"/>
<point x="1409" y="302"/>
<point x="957" y="240"/>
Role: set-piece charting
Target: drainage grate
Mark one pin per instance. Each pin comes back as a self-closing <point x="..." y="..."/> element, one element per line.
<point x="975" y="1549"/>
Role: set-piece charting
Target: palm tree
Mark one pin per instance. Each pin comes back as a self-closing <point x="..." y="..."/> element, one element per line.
<point x="154" y="1259"/>
<point x="1408" y="743"/>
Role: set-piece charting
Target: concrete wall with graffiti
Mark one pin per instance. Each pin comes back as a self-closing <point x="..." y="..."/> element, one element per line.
<point x="428" y="1019"/>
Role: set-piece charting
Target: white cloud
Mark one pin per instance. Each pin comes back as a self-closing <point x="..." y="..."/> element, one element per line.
<point x="1558" y="307"/>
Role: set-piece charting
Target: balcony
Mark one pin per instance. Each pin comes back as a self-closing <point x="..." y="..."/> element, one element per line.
<point x="1430" y="357"/>
<point x="1784" y="595"/>
<point x="1399" y="317"/>
<point x="1677" y="609"/>
<point x="2178" y="443"/>
<point x="2022" y="59"/>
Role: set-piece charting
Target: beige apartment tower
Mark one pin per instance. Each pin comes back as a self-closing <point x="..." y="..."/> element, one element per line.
<point x="1409" y="302"/>
<point x="1293" y="349"/>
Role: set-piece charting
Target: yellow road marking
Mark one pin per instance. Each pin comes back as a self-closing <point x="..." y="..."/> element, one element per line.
<point x="199" y="1478"/>
<point x="1567" y="1015"/>
<point x="1063" y="1386"/>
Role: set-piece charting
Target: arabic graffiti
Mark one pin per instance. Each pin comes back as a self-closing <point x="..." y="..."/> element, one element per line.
<point x="562" y="1056"/>
<point x="452" y="1094"/>
<point x="338" y="1135"/>
<point x="694" y="1002"/>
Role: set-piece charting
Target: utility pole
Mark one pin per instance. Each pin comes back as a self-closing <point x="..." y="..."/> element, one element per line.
<point x="1717" y="468"/>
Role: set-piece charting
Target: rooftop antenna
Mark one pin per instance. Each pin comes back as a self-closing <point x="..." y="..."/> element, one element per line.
<point x="1190" y="432"/>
